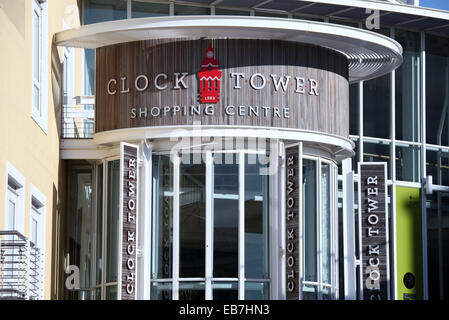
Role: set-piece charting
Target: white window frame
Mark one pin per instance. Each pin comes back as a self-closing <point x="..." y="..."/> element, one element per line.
<point x="40" y="114"/>
<point x="39" y="214"/>
<point x="18" y="193"/>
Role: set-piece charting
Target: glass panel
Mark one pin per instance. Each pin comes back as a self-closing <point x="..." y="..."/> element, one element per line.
<point x="97" y="293"/>
<point x="408" y="116"/>
<point x="309" y="212"/>
<point x="162" y="217"/>
<point x="325" y="223"/>
<point x="344" y="23"/>
<point x="145" y="9"/>
<point x="309" y="292"/>
<point x="438" y="165"/>
<point x="111" y="293"/>
<point x="355" y="158"/>
<point x="257" y="291"/>
<point x="437" y="90"/>
<point x="326" y="293"/>
<point x="192" y="212"/>
<point x="225" y="215"/>
<point x="95" y="11"/>
<point x="269" y="14"/>
<point x="36" y="45"/>
<point x="376" y="107"/>
<point x="36" y="98"/>
<point x="99" y="240"/>
<point x="103" y="10"/>
<point x="256" y="218"/>
<point x="408" y="162"/>
<point x="89" y="72"/>
<point x="113" y="220"/>
<point x="80" y="225"/>
<point x="191" y="291"/>
<point x="228" y="12"/>
<point x="377" y="151"/>
<point x="354" y="109"/>
<point x="33" y="228"/>
<point x="181" y="10"/>
<point x="12" y="216"/>
<point x="161" y="291"/>
<point x="225" y="290"/>
<point x="437" y="240"/>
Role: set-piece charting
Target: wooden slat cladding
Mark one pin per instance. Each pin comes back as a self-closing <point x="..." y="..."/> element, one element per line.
<point x="325" y="112"/>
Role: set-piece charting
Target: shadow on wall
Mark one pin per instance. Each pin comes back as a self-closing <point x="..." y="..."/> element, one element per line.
<point x="56" y="85"/>
<point x="15" y="11"/>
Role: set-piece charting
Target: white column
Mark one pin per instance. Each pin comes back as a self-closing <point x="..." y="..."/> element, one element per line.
<point x="241" y="229"/>
<point x="209" y="225"/>
<point x="176" y="163"/>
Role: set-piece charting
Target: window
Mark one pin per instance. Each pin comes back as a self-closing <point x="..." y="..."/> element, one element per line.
<point x="37" y="232"/>
<point x="39" y="109"/>
<point x="437" y="90"/>
<point x="15" y="217"/>
<point x="142" y="9"/>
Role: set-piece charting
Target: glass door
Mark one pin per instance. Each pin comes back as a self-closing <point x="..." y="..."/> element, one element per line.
<point x="210" y="236"/>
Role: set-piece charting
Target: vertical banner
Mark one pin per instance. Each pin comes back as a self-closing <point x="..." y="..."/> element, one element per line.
<point x="128" y="222"/>
<point x="292" y="223"/>
<point x="374" y="231"/>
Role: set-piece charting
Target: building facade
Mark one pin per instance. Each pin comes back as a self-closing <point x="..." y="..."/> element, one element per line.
<point x="224" y="150"/>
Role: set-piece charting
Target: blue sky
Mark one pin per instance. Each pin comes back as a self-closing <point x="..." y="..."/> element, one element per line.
<point x="438" y="4"/>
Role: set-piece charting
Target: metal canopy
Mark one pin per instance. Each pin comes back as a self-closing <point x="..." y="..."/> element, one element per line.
<point x="369" y="54"/>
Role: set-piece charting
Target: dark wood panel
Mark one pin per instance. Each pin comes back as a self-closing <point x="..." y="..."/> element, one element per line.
<point x="292" y="224"/>
<point x="327" y="112"/>
<point x="374" y="231"/>
<point x="129" y="222"/>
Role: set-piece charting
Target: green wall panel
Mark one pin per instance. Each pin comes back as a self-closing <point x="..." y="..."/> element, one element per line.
<point x="409" y="242"/>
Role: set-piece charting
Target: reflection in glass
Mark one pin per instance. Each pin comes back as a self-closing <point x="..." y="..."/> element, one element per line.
<point x="225" y="216"/>
<point x="377" y="151"/>
<point x="408" y="115"/>
<point x="181" y="10"/>
<point x="256" y="220"/>
<point x="113" y="220"/>
<point x="354" y="109"/>
<point x="309" y="212"/>
<point x="111" y="292"/>
<point x="99" y="222"/>
<point x="192" y="212"/>
<point x="229" y="12"/>
<point x="191" y="291"/>
<point x="224" y="290"/>
<point x="408" y="162"/>
<point x="437" y="90"/>
<point x="161" y="291"/>
<point x="325" y="223"/>
<point x="144" y="9"/>
<point x="376" y="107"/>
<point x="438" y="165"/>
<point x="257" y="290"/>
<point x="309" y="292"/>
<point x="98" y="11"/>
<point x="162" y="234"/>
<point x="80" y="225"/>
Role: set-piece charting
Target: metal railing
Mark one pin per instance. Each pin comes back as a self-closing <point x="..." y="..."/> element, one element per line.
<point x="21" y="276"/>
<point x="78" y="117"/>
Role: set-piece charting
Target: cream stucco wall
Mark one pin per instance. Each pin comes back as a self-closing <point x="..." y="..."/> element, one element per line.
<point x="22" y="142"/>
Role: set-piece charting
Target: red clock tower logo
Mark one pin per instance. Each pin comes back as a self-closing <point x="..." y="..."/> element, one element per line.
<point x="209" y="77"/>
